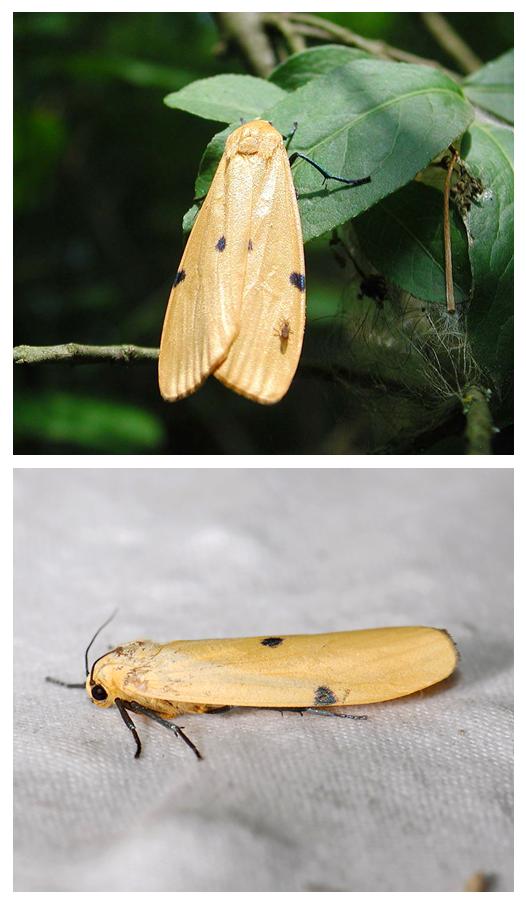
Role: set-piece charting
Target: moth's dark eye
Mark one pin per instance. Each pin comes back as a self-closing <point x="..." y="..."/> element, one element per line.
<point x="98" y="693"/>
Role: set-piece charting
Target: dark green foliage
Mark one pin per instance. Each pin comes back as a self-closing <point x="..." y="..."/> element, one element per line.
<point x="412" y="258"/>
<point x="104" y="173"/>
<point x="491" y="87"/>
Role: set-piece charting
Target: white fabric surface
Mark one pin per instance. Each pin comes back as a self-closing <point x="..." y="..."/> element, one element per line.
<point x="417" y="798"/>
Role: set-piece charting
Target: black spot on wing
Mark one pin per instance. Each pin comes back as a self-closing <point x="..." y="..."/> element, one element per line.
<point x="250" y="246"/>
<point x="324" y="696"/>
<point x="220" y="244"/>
<point x="179" y="277"/>
<point x="298" y="280"/>
<point x="272" y="642"/>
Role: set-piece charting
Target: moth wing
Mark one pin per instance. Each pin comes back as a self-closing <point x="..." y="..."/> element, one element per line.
<point x="202" y="316"/>
<point x="263" y="358"/>
<point x="300" y="671"/>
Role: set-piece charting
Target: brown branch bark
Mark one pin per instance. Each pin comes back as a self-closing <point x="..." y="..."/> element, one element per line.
<point x="79" y="353"/>
<point x="450" y="41"/>
<point x="376" y="48"/>
<point x="294" y="40"/>
<point x="247" y="31"/>
<point x="479" y="423"/>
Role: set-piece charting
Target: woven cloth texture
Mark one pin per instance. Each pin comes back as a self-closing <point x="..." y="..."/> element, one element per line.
<point x="416" y="798"/>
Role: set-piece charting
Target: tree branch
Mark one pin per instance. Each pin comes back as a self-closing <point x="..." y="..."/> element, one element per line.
<point x="78" y="353"/>
<point x="479" y="423"/>
<point x="246" y="30"/>
<point x="376" y="48"/>
<point x="450" y="41"/>
<point x="291" y="35"/>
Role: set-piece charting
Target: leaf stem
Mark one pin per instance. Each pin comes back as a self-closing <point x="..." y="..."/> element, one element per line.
<point x="448" y="263"/>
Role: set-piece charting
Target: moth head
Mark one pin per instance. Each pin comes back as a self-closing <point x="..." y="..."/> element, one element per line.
<point x="98" y="692"/>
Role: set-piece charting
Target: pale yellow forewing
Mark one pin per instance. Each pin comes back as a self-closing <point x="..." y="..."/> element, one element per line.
<point x="263" y="358"/>
<point x="340" y="668"/>
<point x="203" y="310"/>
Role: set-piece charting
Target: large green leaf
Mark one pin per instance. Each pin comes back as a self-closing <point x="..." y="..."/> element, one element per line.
<point x="403" y="237"/>
<point x="488" y="152"/>
<point x="301" y="67"/>
<point x="226" y="98"/>
<point x="492" y="87"/>
<point x="387" y="120"/>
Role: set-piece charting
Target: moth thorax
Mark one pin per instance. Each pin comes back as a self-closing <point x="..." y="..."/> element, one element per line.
<point x="248" y="144"/>
<point x="261" y="139"/>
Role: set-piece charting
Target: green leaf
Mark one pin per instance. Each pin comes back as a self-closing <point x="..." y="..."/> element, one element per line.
<point x="488" y="152"/>
<point x="226" y="98"/>
<point x="100" y="425"/>
<point x="210" y="160"/>
<point x="301" y="67"/>
<point x="207" y="168"/>
<point x="386" y="120"/>
<point x="492" y="87"/>
<point x="403" y="237"/>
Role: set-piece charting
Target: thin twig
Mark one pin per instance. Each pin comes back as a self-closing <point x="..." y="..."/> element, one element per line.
<point x="294" y="40"/>
<point x="450" y="41"/>
<point x="479" y="423"/>
<point x="377" y="48"/>
<point x="80" y="353"/>
<point x="247" y="31"/>
<point x="448" y="263"/>
<point x="310" y="31"/>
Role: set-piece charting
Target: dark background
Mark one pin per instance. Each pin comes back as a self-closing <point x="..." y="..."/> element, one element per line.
<point x="103" y="175"/>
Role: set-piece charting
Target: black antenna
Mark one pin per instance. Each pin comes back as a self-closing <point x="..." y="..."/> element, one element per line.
<point x="51" y="679"/>
<point x="99" y="630"/>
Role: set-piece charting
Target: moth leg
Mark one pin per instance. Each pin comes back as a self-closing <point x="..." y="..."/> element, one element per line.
<point x="328" y="713"/>
<point x="130" y="724"/>
<point x="135" y="706"/>
<point x="349" y="182"/>
<point x="324" y="711"/>
<point x="222" y="710"/>
<point x="279" y="710"/>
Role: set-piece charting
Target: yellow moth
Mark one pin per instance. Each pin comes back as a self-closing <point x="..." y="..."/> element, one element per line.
<point x="300" y="672"/>
<point x="237" y="305"/>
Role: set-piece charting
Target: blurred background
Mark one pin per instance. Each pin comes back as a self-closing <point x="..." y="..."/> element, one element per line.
<point x="103" y="175"/>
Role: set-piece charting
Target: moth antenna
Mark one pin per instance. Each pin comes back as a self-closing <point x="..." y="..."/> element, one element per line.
<point x="59" y="682"/>
<point x="99" y="630"/>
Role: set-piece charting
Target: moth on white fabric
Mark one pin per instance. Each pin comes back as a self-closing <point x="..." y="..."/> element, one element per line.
<point x="292" y="672"/>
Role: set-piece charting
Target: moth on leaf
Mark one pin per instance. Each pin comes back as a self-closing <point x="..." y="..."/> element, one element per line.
<point x="241" y="277"/>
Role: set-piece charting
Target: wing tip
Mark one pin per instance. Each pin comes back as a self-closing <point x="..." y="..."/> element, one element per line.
<point x="260" y="397"/>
